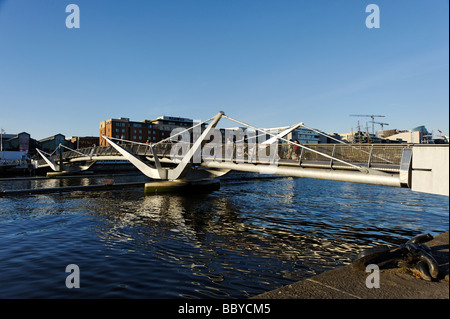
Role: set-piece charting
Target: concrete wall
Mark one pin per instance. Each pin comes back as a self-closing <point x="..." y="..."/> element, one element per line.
<point x="430" y="169"/>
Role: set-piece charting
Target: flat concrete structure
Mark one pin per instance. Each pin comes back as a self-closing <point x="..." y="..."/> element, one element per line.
<point x="430" y="169"/>
<point x="348" y="283"/>
<point x="182" y="186"/>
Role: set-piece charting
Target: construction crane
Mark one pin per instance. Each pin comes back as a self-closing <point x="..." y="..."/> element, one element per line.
<point x="372" y="117"/>
<point x="382" y="124"/>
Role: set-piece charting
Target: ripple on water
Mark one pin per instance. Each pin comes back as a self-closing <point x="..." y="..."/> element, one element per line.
<point x="252" y="235"/>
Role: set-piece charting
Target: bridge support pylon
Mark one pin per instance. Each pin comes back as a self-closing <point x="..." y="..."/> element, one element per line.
<point x="185" y="176"/>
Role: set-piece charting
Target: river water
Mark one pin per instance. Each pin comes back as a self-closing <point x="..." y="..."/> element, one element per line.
<point x="255" y="234"/>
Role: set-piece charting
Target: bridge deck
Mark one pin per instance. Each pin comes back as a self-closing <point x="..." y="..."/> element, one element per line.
<point x="380" y="157"/>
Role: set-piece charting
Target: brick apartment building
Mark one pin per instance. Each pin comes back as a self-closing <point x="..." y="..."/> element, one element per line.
<point x="83" y="141"/>
<point x="147" y="130"/>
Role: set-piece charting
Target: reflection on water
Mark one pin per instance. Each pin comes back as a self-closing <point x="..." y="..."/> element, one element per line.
<point x="254" y="234"/>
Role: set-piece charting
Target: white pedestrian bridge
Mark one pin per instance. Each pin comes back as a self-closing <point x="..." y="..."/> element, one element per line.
<point x="180" y="159"/>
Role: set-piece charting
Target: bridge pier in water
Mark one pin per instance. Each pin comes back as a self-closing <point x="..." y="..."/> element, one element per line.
<point x="181" y="186"/>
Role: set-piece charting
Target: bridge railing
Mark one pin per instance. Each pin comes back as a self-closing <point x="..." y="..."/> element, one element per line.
<point x="365" y="155"/>
<point x="369" y="155"/>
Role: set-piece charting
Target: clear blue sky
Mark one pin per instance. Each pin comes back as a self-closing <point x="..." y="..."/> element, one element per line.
<point x="269" y="63"/>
